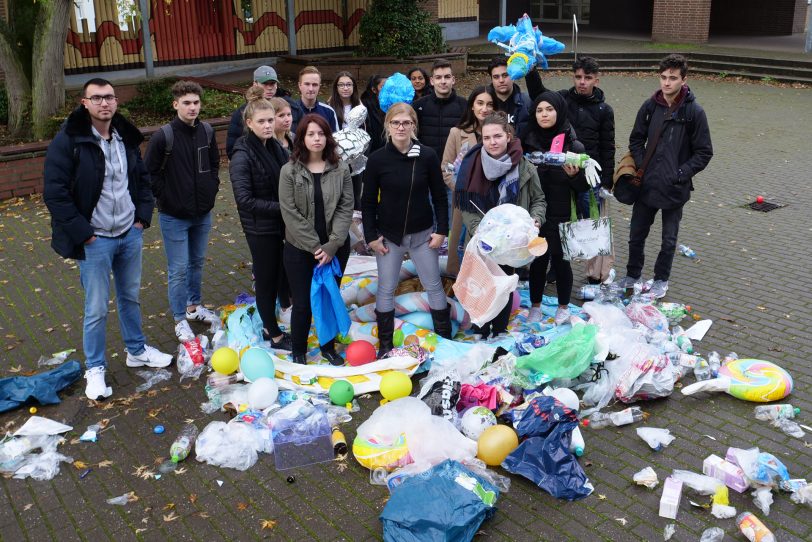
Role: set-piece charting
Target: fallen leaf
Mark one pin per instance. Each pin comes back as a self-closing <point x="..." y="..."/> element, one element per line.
<point x="181" y="470"/>
<point x="169" y="506"/>
<point x="601" y="497"/>
<point x="81" y="465"/>
<point x="153" y="413"/>
<point x="241" y="506"/>
<point x="193" y="498"/>
<point x="27" y="507"/>
<point x="171" y="517"/>
<point x="203" y="515"/>
<point x="189" y="421"/>
<point x="267" y="524"/>
<point x="622" y="521"/>
<point x="16" y="369"/>
<point x="140" y="530"/>
<point x="105" y="463"/>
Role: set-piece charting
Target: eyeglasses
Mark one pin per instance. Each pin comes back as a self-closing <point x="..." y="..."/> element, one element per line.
<point x="344" y="85"/>
<point x="97" y="100"/>
<point x="405" y="124"/>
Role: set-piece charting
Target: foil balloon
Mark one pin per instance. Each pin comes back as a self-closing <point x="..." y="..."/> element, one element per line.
<point x="748" y="379"/>
<point x="526" y="46"/>
<point x="353" y="141"/>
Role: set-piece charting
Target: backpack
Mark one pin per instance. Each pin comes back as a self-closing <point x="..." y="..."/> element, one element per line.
<point x="169" y="137"/>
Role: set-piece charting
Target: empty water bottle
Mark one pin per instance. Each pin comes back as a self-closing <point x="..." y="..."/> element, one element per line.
<point x="702" y="370"/>
<point x="687" y="251"/>
<point x="714" y="362"/>
<point x="773" y="412"/>
<point x="599" y="420"/>
<point x="183" y="444"/>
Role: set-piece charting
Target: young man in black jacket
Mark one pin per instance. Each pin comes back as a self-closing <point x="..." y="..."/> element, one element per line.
<point x="683" y="149"/>
<point x="594" y="122"/>
<point x="509" y="97"/>
<point x="185" y="183"/>
<point x="98" y="193"/>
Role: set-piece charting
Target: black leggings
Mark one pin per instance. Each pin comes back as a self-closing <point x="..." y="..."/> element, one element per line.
<point x="299" y="265"/>
<point x="500" y="321"/>
<point x="269" y="278"/>
<point x="563" y="278"/>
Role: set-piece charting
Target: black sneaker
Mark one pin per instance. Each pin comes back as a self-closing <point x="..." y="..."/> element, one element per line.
<point x="332" y="357"/>
<point x="284" y="343"/>
<point x="301" y="359"/>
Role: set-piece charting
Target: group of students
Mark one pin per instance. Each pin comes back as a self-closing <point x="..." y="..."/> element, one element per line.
<point x="434" y="167"/>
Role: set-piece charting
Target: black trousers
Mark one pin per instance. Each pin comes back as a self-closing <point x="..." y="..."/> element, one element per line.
<point x="642" y="219"/>
<point x="269" y="278"/>
<point x="563" y="277"/>
<point x="500" y="321"/>
<point x="299" y="265"/>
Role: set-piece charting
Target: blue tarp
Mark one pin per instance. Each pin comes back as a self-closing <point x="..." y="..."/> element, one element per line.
<point x="329" y="311"/>
<point x="42" y="387"/>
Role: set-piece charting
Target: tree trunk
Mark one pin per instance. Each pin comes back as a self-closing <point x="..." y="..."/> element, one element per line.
<point x="48" y="72"/>
<point x="18" y="88"/>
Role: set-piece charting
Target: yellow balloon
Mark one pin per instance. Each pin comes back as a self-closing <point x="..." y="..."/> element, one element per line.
<point x="495" y="444"/>
<point x="395" y="385"/>
<point x="225" y="360"/>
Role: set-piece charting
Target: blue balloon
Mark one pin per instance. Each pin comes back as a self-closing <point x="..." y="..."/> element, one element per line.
<point x="256" y="363"/>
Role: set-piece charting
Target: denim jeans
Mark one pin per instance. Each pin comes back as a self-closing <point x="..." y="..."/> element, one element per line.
<point x="122" y="257"/>
<point x="185" y="241"/>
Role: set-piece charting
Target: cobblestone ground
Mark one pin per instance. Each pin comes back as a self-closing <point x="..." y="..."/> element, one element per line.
<point x="752" y="280"/>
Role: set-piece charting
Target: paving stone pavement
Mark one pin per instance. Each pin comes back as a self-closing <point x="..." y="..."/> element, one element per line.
<point x="752" y="280"/>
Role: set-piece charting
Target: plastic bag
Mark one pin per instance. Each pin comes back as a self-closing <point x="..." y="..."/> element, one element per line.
<point x="42" y="466"/>
<point x="192" y="357"/>
<point x="668" y="531"/>
<point x="714" y="534"/>
<point x="482" y="287"/>
<point x="441" y="391"/>
<point x="122" y="500"/>
<point x="42" y="387"/>
<point x="646" y="380"/>
<point x="608" y="317"/>
<point x="151" y="378"/>
<point x="704" y="485"/>
<point x="566" y="356"/>
<point x="508" y="235"/>
<point x="763" y="499"/>
<point x="648" y="315"/>
<point x="656" y="438"/>
<point x="646" y="477"/>
<point x="770" y="471"/>
<point x="802" y="495"/>
<point x="227" y="445"/>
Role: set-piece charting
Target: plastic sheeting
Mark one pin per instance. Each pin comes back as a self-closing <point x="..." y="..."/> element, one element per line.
<point x="42" y="387"/>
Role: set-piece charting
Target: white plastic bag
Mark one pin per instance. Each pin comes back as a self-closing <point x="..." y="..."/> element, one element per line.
<point x="704" y="485"/>
<point x="763" y="499"/>
<point x="227" y="445"/>
<point x="45" y="465"/>
<point x="646" y="380"/>
<point x="646" y="477"/>
<point x="482" y="287"/>
<point x="656" y="438"/>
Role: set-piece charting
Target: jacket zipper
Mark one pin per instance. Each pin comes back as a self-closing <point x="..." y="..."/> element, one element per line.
<point x="408" y="202"/>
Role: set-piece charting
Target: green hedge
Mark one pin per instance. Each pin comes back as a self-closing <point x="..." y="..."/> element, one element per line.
<point x="399" y="28"/>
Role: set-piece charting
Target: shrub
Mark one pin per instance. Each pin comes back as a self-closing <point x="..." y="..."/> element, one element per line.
<point x="399" y="28"/>
<point x="3" y="106"/>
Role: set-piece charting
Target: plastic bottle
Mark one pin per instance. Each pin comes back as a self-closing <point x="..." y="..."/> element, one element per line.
<point x="183" y="443"/>
<point x="558" y="158"/>
<point x="731" y="356"/>
<point x="752" y="528"/>
<point x="339" y="442"/>
<point x="599" y="420"/>
<point x="773" y="412"/>
<point x="687" y="251"/>
<point x="714" y="362"/>
<point x="217" y="380"/>
<point x="701" y="370"/>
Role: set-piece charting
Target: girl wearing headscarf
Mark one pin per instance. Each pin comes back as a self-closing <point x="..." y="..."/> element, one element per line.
<point x="548" y="119"/>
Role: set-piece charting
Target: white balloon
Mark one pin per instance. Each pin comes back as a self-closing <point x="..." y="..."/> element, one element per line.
<point x="262" y="393"/>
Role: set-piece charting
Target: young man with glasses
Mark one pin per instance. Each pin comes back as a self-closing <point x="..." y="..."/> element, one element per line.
<point x="98" y="193"/>
<point x="185" y="183"/>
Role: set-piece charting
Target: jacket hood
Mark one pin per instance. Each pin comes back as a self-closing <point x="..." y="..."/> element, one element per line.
<point x="596" y="97"/>
<point x="78" y="124"/>
<point x="685" y="96"/>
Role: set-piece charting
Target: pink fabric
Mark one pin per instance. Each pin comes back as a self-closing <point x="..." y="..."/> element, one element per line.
<point x="480" y="395"/>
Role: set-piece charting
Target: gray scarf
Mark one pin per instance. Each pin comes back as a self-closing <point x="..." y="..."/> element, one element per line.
<point x="496" y="168"/>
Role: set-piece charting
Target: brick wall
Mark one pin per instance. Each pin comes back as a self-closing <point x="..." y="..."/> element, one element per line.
<point x="801" y="16"/>
<point x="432" y="7"/>
<point x="756" y="17"/>
<point x="681" y="21"/>
<point x="21" y="166"/>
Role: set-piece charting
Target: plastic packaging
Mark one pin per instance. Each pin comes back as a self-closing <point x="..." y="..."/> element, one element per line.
<point x="656" y="438"/>
<point x="45" y="465"/>
<point x="567" y="356"/>
<point x="773" y="412"/>
<point x="192" y="357"/>
<point x="646" y="477"/>
<point x="648" y="315"/>
<point x="56" y="359"/>
<point x="599" y="420"/>
<point x="232" y="445"/>
<point x="704" y="485"/>
<point x="151" y="378"/>
<point x="646" y="379"/>
<point x="671" y="497"/>
<point x="714" y="534"/>
<point x="217" y="380"/>
<point x="682" y="340"/>
<point x="753" y="529"/>
<point x="688" y="252"/>
<point x="183" y="443"/>
<point x="763" y="499"/>
<point x="668" y="531"/>
<point x="91" y="434"/>
<point x="441" y="391"/>
<point x="789" y="427"/>
<point x="122" y="500"/>
<point x="729" y="473"/>
<point x="802" y="495"/>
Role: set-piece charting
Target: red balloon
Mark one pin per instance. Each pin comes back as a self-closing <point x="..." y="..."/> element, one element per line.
<point x="360" y="352"/>
<point x="760" y="199"/>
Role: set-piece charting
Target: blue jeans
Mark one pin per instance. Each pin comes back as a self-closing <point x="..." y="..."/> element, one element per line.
<point x="122" y="257"/>
<point x="185" y="242"/>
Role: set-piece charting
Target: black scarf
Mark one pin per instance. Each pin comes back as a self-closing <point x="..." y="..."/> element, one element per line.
<point x="270" y="154"/>
<point x="536" y="138"/>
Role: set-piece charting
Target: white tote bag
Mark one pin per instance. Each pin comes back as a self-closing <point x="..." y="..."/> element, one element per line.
<point x="482" y="287"/>
<point x="587" y="238"/>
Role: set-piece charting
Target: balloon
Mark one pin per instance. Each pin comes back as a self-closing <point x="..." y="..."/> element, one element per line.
<point x="495" y="444"/>
<point x="225" y="360"/>
<point x="475" y="420"/>
<point x="262" y="393"/>
<point x="256" y="363"/>
<point x="397" y="337"/>
<point x="341" y="392"/>
<point x="517" y="302"/>
<point x="395" y="385"/>
<point x="360" y="352"/>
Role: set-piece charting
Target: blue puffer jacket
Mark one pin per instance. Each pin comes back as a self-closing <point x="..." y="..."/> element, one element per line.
<point x="74" y="175"/>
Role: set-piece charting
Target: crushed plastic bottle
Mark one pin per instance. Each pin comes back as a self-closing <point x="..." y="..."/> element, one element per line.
<point x="599" y="420"/>
<point x="789" y="427"/>
<point x="688" y="252"/>
<point x="182" y="446"/>
<point x="701" y="370"/>
<point x="217" y="380"/>
<point x="714" y="363"/>
<point x="768" y="413"/>
<point x="681" y="339"/>
<point x="753" y="529"/>
<point x="714" y="534"/>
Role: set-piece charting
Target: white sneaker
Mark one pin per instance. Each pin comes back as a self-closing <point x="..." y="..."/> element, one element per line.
<point x="183" y="332"/>
<point x="627" y="282"/>
<point x="202" y="314"/>
<point x="96" y="388"/>
<point x="535" y="315"/>
<point x="284" y="315"/>
<point x="562" y="316"/>
<point x="658" y="289"/>
<point x="151" y="357"/>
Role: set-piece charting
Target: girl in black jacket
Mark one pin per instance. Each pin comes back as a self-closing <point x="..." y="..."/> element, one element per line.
<point x="402" y="182"/>
<point x="549" y="119"/>
<point x="255" y="164"/>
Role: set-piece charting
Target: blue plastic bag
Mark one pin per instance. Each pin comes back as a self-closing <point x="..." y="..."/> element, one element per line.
<point x="447" y="502"/>
<point x="245" y="326"/>
<point x="329" y="312"/>
<point x="43" y="387"/>
<point x="544" y="456"/>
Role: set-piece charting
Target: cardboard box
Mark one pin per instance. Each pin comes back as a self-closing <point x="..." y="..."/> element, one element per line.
<point x="672" y="494"/>
<point x="733" y="477"/>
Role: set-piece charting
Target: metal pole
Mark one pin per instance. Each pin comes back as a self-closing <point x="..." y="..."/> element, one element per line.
<point x="146" y="40"/>
<point x="502" y="12"/>
<point x="574" y="37"/>
<point x="291" y="28"/>
<point x="808" y="46"/>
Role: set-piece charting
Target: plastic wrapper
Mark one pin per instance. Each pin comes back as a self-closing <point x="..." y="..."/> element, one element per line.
<point x="192" y="357"/>
<point x="57" y="358"/>
<point x="607" y="317"/>
<point x="646" y="477"/>
<point x="763" y="499"/>
<point x="668" y="531"/>
<point x="789" y="427"/>
<point x="656" y="438"/>
<point x="18" y="458"/>
<point x="508" y="235"/>
<point x="723" y="511"/>
<point x="770" y="471"/>
<point x="151" y="378"/>
<point x="648" y="315"/>
<point x="441" y="391"/>
<point x="704" y="485"/>
<point x="122" y="500"/>
<point x="714" y="534"/>
<point x="566" y="356"/>
<point x="648" y="379"/>
<point x="802" y="495"/>
<point x="227" y="445"/>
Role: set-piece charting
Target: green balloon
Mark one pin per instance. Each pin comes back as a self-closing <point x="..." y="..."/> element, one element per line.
<point x="341" y="392"/>
<point x="397" y="338"/>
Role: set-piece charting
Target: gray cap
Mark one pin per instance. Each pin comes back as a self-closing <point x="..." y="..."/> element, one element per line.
<point x="263" y="74"/>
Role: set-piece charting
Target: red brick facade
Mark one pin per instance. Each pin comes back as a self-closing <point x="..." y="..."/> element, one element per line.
<point x="683" y="21"/>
